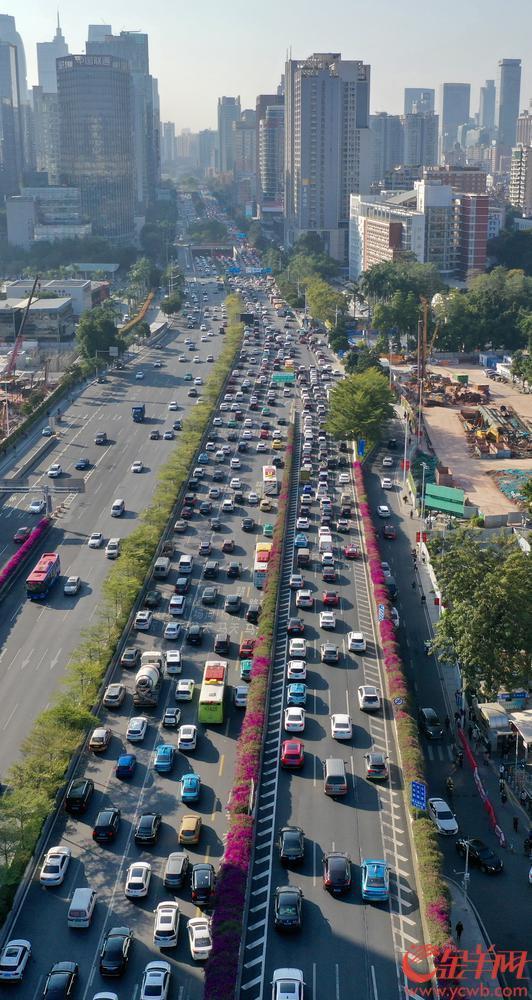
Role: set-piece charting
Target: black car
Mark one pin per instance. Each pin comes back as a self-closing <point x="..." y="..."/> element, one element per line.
<point x="205" y="507"/>
<point x="218" y="476"/>
<point x="176" y="871"/>
<point x="155" y="435"/>
<point x="130" y="657"/>
<point x="430" y="724"/>
<point x="193" y="484"/>
<point x="291" y="845"/>
<point x="182" y="585"/>
<point x="232" y="604"/>
<point x="147" y="828"/>
<point x="247" y="524"/>
<point x="253" y="612"/>
<point x="232" y="436"/>
<point x="242" y="446"/>
<point x="238" y="497"/>
<point x="195" y="635"/>
<point x="222" y="642"/>
<point x="61" y="981"/>
<point x="82" y="464"/>
<point x="480" y="854"/>
<point x="210" y="570"/>
<point x="203" y="884"/>
<point x="234" y="570"/>
<point x="79" y="794"/>
<point x="152" y="599"/>
<point x="278" y="462"/>
<point x="115" y="951"/>
<point x="106" y="826"/>
<point x="287" y="908"/>
<point x="295" y="627"/>
<point x="336" y="872"/>
<point x="176" y="426"/>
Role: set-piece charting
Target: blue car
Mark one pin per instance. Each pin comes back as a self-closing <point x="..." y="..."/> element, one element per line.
<point x="203" y="458"/>
<point x="307" y="490"/>
<point x="190" y="787"/>
<point x="375" y="880"/>
<point x="301" y="541"/>
<point x="82" y="464"/>
<point x="163" y="760"/>
<point x="296" y="694"/>
<point x="125" y="765"/>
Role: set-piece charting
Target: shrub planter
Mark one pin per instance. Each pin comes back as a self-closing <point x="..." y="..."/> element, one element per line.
<point x="19" y="560"/>
<point x="227" y="923"/>
<point x="435" y="894"/>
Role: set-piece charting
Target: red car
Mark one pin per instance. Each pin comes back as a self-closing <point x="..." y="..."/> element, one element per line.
<point x="22" y="534"/>
<point x="295" y="627"/>
<point x="264" y="434"/>
<point x="351" y="552"/>
<point x="329" y="574"/>
<point x="389" y="532"/>
<point x="292" y="753"/>
<point x="330" y="598"/>
<point x="228" y="545"/>
<point x="187" y="513"/>
<point x="246" y="648"/>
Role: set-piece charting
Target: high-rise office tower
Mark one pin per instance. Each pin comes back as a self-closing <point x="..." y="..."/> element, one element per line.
<point x="271" y="161"/>
<point x="524" y="129"/>
<point x="327" y="146"/>
<point x="11" y="125"/>
<point x="386" y="144"/>
<point x="207" y="140"/>
<point x="521" y="179"/>
<point x="420" y="139"/>
<point x="96" y="127"/>
<point x="9" y="34"/>
<point x="508" y="96"/>
<point x="98" y="32"/>
<point x="418" y="99"/>
<point x="133" y="46"/>
<point x="455" y="101"/>
<point x="486" y="111"/>
<point x="47" y="53"/>
<point x="168" y="145"/>
<point x="262" y="103"/>
<point x="228" y="114"/>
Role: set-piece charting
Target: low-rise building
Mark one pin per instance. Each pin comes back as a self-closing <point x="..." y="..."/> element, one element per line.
<point x="78" y="290"/>
<point x="48" y="320"/>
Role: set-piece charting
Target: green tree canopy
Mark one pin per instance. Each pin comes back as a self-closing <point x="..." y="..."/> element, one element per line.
<point x="380" y="282"/>
<point x="494" y="312"/>
<point x="96" y="331"/>
<point x="513" y="249"/>
<point x="487" y="625"/>
<point x="208" y="230"/>
<point x="360" y="405"/>
<point x="325" y="303"/>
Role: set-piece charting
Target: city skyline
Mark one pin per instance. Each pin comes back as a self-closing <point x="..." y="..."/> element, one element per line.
<point x="232" y="61"/>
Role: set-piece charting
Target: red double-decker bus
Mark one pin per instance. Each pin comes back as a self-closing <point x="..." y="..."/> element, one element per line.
<point x="43" y="576"/>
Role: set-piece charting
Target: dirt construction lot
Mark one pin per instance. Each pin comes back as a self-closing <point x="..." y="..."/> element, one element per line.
<point x="444" y="430"/>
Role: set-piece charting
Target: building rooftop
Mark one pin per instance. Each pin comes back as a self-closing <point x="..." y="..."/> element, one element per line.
<point x="38" y="305"/>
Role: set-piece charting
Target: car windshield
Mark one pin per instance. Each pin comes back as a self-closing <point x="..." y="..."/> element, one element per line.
<point x="375" y="880"/>
<point x="287" y="908"/>
<point x="202" y="942"/>
<point x="152" y="990"/>
<point x="291" y="841"/>
<point x="444" y="814"/>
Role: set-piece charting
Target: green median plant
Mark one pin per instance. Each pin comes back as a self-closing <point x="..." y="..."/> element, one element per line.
<point x="59" y="731"/>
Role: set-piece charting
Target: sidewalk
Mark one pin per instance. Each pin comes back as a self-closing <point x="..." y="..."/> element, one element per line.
<point x="477" y="971"/>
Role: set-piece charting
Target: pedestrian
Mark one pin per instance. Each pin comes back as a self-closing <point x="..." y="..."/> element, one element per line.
<point x="471" y="715"/>
<point x="459" y="930"/>
<point x="501" y="785"/>
<point x="515" y="823"/>
<point x="413" y="584"/>
<point x="470" y="732"/>
<point x="457" y="718"/>
<point x="504" y="798"/>
<point x="523" y="797"/>
<point x="460" y="758"/>
<point x="502" y="771"/>
<point x="411" y="513"/>
<point x="463" y="715"/>
<point x="447" y="724"/>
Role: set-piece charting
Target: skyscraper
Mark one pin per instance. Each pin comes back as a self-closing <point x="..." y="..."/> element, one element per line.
<point x="386" y="144"/>
<point x="271" y="161"/>
<point x="521" y="179"/>
<point x="96" y="148"/>
<point x="9" y="33"/>
<point x="47" y="53"/>
<point x="455" y="101"/>
<point x="508" y="96"/>
<point x="486" y="111"/>
<point x="133" y="46"/>
<point x="420" y="139"/>
<point x="98" y="32"/>
<point x="524" y="129"/>
<point x="11" y="144"/>
<point x="418" y="99"/>
<point x="327" y="146"/>
<point x="168" y="146"/>
<point x="228" y="113"/>
<point x="207" y="139"/>
<point x="262" y="104"/>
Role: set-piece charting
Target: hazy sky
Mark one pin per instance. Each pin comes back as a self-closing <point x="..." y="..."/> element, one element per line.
<point x="200" y="51"/>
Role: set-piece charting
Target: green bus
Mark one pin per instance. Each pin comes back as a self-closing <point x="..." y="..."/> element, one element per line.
<point x="212" y="692"/>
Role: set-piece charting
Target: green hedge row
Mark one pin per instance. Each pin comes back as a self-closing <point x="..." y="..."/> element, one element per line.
<point x="35" y="781"/>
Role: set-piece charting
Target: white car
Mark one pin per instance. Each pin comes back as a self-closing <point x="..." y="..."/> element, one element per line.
<point x="14" y="958"/>
<point x="443" y="818"/>
<point x="199" y="938"/>
<point x="297" y="647"/>
<point x="228" y="505"/>
<point x="235" y="463"/>
<point x="155" y="981"/>
<point x="139" y="376"/>
<point x="187" y="737"/>
<point x="302" y="524"/>
<point x="383" y="510"/>
<point x="214" y="493"/>
<point x="143" y="620"/>
<point x="166" y="925"/>
<point x="247" y="436"/>
<point x="176" y="604"/>
<point x="343" y="479"/>
<point x="138" y="878"/>
<point x="394" y="615"/>
<point x="37" y="506"/>
<point x="356" y="642"/>
<point x="341" y="727"/>
<point x="304" y="599"/>
<point x="387" y="462"/>
<point x="294" y="719"/>
<point x="386" y="483"/>
<point x="198" y="380"/>
<point x="173" y="661"/>
<point x="72" y="585"/>
<point x="386" y="569"/>
<point x="235" y="483"/>
<point x="253" y="499"/>
<point x="136" y="729"/>
<point x="296" y="670"/>
<point x="54" y="471"/>
<point x="218" y="422"/>
<point x="172" y="405"/>
<point x="184" y="689"/>
<point x="296" y="581"/>
<point x="327" y="620"/>
<point x="172" y="630"/>
<point x="137" y="466"/>
<point x="287" y="984"/>
<point x="55" y="865"/>
<point x="369" y="699"/>
<point x="95" y="540"/>
<point x="261" y="446"/>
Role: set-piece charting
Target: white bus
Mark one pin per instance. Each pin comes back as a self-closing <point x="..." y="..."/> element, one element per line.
<point x="269" y="480"/>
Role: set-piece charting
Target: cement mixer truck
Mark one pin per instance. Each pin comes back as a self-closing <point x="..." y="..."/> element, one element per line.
<point x="148" y="680"/>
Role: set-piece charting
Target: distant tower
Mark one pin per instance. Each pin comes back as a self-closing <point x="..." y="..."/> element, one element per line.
<point x="47" y="53"/>
<point x="486" y="112"/>
<point x="508" y="94"/>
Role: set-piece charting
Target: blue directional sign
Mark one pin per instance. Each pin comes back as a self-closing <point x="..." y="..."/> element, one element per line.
<point x="382" y="611"/>
<point x="418" y="795"/>
<point x="361" y="446"/>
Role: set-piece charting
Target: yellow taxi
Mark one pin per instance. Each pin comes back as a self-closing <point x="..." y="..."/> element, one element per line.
<point x="265" y="504"/>
<point x="278" y="445"/>
<point x="190" y="829"/>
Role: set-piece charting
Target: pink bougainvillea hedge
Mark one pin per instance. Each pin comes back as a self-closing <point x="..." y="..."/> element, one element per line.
<point x="14" y="564"/>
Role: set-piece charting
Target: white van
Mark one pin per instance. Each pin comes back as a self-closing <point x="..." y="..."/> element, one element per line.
<point x="186" y="564"/>
<point x="81" y="907"/>
<point x="112" y="549"/>
<point x="118" y="508"/>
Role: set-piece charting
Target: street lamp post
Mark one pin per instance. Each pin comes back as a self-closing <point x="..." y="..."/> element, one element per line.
<point x="405" y="449"/>
<point x="424" y="466"/>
